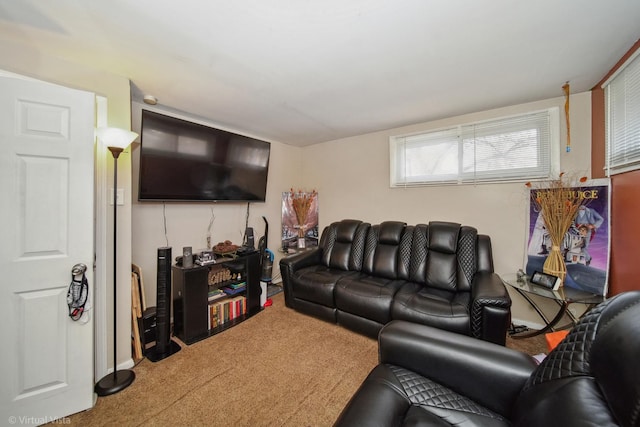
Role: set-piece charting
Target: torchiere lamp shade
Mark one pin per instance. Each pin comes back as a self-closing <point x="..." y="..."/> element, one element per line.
<point x="116" y="137"/>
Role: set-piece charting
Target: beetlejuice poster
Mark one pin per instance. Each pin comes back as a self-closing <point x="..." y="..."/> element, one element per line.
<point x="586" y="245"/>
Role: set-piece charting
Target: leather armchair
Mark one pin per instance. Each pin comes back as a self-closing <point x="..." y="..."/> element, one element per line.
<point x="428" y="376"/>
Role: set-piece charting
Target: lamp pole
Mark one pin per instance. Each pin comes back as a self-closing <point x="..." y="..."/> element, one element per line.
<point x="117" y="380"/>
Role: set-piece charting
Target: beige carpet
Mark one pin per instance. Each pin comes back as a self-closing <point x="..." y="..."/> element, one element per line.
<point x="279" y="368"/>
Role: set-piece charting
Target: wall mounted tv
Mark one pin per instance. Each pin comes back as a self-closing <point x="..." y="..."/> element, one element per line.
<point x="185" y="161"/>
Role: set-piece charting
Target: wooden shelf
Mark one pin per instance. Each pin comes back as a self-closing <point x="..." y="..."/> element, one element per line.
<point x="190" y="296"/>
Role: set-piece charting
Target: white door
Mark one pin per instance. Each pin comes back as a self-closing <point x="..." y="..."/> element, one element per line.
<point x="46" y="227"/>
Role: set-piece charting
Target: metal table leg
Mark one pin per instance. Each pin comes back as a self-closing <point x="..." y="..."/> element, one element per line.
<point x="549" y="324"/>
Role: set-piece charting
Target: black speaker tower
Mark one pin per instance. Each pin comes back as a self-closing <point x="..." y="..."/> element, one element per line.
<point x="164" y="347"/>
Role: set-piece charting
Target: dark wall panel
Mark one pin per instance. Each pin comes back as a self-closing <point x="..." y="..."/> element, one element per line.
<point x="625" y="233"/>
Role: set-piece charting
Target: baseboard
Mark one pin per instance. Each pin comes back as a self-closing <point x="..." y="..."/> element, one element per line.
<point x="127" y="364"/>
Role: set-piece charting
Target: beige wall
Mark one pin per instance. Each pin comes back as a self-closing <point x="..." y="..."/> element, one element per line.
<point x="352" y="179"/>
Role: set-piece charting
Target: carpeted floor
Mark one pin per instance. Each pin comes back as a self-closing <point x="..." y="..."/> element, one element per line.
<point x="279" y="368"/>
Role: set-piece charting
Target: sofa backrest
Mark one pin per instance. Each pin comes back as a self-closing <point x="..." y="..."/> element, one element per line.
<point x="343" y="243"/>
<point x="387" y="250"/>
<point x="592" y="376"/>
<point x="444" y="255"/>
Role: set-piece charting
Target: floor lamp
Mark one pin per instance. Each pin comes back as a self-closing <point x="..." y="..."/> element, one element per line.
<point x="116" y="141"/>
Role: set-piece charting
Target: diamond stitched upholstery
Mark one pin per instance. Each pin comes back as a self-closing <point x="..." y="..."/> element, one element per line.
<point x="327" y="241"/>
<point x="357" y="247"/>
<point x="466" y="257"/>
<point x="478" y="306"/>
<point x="571" y="356"/>
<point x="418" y="253"/>
<point x="424" y="392"/>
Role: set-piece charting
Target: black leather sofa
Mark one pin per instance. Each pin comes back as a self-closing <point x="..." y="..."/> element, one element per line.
<point x="427" y="376"/>
<point x="362" y="276"/>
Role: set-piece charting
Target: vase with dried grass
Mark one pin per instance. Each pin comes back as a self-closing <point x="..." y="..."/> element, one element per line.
<point x="301" y="202"/>
<point x="558" y="202"/>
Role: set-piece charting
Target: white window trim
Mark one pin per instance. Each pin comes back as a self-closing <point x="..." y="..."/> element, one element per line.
<point x="554" y="152"/>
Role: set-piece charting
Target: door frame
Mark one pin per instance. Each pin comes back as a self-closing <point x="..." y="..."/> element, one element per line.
<point x="101" y="332"/>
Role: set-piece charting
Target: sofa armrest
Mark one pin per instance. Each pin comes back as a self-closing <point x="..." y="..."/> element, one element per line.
<point x="488" y="373"/>
<point x="293" y="263"/>
<point x="490" y="308"/>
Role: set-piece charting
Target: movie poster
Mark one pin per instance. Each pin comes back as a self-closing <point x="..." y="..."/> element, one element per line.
<point x="585" y="246"/>
<point x="292" y="231"/>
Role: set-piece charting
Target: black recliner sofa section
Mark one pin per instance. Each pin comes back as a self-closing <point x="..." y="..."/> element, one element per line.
<point x="427" y="376"/>
<point x="362" y="276"/>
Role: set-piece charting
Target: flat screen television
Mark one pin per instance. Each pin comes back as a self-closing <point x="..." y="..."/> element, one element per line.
<point x="186" y="161"/>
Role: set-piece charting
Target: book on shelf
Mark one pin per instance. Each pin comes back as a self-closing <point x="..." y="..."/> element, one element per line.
<point x="225" y="311"/>
<point x="216" y="294"/>
<point x="229" y="290"/>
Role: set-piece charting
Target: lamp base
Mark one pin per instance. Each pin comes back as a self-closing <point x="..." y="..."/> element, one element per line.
<point x="114" y="382"/>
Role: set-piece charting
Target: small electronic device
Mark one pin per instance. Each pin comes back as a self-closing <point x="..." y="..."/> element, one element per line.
<point x="187" y="257"/>
<point x="206" y="258"/>
<point x="249" y="241"/>
<point x="546" y="280"/>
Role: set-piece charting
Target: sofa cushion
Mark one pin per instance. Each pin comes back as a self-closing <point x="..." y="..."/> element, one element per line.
<point x="367" y="296"/>
<point x="343" y="244"/>
<point x="444" y="256"/>
<point x="390" y="232"/>
<point x="441" y="271"/>
<point x="433" y="307"/>
<point x="443" y="236"/>
<point x="341" y="252"/>
<point x="387" y="250"/>
<point x="316" y="284"/>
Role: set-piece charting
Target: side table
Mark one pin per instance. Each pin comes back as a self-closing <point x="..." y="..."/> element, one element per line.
<point x="563" y="297"/>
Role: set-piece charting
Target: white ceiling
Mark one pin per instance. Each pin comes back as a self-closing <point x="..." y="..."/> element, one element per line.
<point x="303" y="71"/>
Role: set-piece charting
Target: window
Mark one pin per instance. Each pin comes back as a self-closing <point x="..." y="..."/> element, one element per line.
<point x="505" y="149"/>
<point x="622" y="117"/>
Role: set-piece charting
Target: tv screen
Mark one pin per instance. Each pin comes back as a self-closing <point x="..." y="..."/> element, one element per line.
<point x="185" y="161"/>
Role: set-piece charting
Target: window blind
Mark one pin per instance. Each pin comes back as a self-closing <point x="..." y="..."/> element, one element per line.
<point x="622" y="112"/>
<point x="504" y="149"/>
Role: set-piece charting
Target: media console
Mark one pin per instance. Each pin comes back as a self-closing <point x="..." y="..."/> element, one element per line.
<point x="199" y="308"/>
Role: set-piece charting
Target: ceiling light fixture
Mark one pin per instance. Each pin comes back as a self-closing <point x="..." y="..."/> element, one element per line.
<point x="150" y="99"/>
